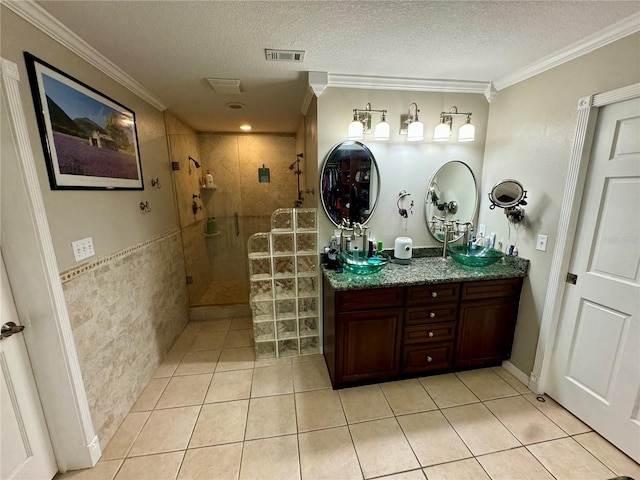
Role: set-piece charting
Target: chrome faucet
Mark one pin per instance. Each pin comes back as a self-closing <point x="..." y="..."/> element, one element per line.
<point x="468" y="228"/>
<point x="447" y="229"/>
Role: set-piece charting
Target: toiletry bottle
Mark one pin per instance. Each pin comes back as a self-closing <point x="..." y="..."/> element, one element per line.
<point x="472" y="240"/>
<point x="209" y="178"/>
<point x="492" y="239"/>
<point x="212" y="225"/>
<point x="365" y="241"/>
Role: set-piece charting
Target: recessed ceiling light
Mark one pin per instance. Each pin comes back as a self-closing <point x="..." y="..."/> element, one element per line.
<point x="235" y="105"/>
<point x="245" y="127"/>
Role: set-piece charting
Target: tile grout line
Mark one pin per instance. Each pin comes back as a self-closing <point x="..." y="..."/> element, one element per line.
<point x="348" y="424"/>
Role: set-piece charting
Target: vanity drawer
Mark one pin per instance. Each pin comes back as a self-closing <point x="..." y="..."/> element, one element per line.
<point x="428" y="294"/>
<point x="369" y="299"/>
<point x="434" y="332"/>
<point x="508" y="287"/>
<point x="441" y="312"/>
<point x="420" y="358"/>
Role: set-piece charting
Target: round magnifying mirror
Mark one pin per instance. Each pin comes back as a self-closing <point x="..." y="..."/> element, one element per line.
<point x="451" y="196"/>
<point x="507" y="193"/>
<point x="349" y="183"/>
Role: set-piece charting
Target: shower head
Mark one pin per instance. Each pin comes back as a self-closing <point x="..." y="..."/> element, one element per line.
<point x="194" y="161"/>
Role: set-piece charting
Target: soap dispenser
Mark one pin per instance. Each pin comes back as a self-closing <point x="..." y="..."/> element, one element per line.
<point x="209" y="180"/>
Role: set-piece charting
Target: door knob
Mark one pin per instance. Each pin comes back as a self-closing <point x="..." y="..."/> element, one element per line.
<point x="9" y="329"/>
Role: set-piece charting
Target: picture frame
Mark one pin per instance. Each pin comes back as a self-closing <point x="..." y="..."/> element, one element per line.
<point x="90" y="141"/>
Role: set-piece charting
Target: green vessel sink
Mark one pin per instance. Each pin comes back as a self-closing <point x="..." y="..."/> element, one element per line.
<point x="358" y="262"/>
<point x="474" y="257"/>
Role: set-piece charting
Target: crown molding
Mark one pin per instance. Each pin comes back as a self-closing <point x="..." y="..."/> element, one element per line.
<point x="45" y="22"/>
<point x="618" y="30"/>
<point x="407" y="84"/>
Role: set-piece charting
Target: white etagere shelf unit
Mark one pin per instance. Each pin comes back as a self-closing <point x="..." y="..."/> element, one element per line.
<point x="284" y="285"/>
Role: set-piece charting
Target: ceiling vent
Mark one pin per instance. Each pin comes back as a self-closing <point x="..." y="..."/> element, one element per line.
<point x="285" y="55"/>
<point x="225" y="86"/>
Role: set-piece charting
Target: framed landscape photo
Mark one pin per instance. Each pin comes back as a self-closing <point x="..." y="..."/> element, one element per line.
<point x="89" y="140"/>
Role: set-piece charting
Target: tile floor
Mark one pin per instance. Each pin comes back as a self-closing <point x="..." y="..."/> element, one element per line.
<point x="212" y="412"/>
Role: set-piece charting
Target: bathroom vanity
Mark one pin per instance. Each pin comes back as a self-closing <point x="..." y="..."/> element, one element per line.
<point x="431" y="316"/>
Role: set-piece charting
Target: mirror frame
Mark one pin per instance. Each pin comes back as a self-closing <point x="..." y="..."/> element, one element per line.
<point x="516" y="201"/>
<point x="428" y="201"/>
<point x="374" y="164"/>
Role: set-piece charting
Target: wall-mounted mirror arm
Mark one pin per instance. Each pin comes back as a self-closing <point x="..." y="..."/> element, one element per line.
<point x="510" y="195"/>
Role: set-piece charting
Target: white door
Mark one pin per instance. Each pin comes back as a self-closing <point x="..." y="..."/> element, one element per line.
<point x="595" y="367"/>
<point x="25" y="448"/>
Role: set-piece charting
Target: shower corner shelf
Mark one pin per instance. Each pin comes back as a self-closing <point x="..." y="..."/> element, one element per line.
<point x="215" y="187"/>
<point x="212" y="234"/>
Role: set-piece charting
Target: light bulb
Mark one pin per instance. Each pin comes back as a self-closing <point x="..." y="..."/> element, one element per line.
<point x="467" y="132"/>
<point x="382" y="130"/>
<point x="442" y="132"/>
<point x="415" y="132"/>
<point x="356" y="130"/>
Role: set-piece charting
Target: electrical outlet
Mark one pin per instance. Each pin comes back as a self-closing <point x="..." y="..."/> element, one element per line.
<point x="482" y="230"/>
<point x="542" y="243"/>
<point x="83" y="249"/>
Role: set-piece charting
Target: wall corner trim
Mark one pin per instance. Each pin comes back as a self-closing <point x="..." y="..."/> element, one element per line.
<point x="588" y="109"/>
<point x="48" y="24"/>
<point x="50" y="342"/>
<point x="618" y="30"/>
<point x="318" y="81"/>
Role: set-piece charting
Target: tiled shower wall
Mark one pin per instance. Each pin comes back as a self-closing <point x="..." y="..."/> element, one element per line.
<point x="126" y="310"/>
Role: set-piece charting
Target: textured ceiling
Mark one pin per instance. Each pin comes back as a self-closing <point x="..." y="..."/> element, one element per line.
<point x="171" y="47"/>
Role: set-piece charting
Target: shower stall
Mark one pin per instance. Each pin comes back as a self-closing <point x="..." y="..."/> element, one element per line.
<point x="216" y="261"/>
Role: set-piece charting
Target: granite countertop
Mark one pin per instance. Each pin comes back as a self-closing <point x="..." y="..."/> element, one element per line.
<point x="426" y="269"/>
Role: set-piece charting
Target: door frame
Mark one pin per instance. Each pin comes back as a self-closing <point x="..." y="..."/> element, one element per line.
<point x="40" y="300"/>
<point x="588" y="109"/>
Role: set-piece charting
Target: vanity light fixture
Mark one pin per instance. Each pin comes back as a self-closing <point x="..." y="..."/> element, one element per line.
<point x="245" y="127"/>
<point x="442" y="133"/>
<point x="361" y="124"/>
<point x="415" y="129"/>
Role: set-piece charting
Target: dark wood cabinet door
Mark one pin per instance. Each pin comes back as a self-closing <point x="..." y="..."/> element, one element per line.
<point x="485" y="331"/>
<point x="370" y="345"/>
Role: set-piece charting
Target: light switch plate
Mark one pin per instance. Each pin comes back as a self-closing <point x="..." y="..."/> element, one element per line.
<point x="83" y="249"/>
<point x="542" y="243"/>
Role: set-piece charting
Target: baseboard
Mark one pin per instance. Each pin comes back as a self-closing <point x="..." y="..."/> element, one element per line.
<point x="516" y="372"/>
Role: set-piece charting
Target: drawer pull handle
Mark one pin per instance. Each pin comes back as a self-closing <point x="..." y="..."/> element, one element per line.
<point x="432" y="315"/>
<point x="429" y="358"/>
<point x="434" y="294"/>
<point x="430" y="334"/>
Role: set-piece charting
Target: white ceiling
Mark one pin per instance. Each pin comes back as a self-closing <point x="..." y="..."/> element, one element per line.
<point x="171" y="47"/>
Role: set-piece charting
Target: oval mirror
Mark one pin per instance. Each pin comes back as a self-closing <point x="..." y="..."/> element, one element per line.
<point x="507" y="193"/>
<point x="451" y="196"/>
<point x="349" y="183"/>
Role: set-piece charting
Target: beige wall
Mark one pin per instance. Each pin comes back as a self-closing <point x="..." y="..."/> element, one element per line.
<point x="111" y="217"/>
<point x="530" y="135"/>
<point x="403" y="165"/>
<point x="312" y="171"/>
<point x="128" y="303"/>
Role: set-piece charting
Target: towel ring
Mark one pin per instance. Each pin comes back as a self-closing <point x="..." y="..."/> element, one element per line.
<point x="403" y="212"/>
